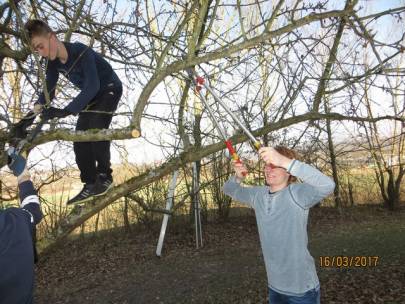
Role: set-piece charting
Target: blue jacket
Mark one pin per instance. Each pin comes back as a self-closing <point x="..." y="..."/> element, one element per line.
<point x="17" y="232"/>
<point x="86" y="69"/>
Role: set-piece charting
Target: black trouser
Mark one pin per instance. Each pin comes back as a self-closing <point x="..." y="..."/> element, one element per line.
<point x="93" y="158"/>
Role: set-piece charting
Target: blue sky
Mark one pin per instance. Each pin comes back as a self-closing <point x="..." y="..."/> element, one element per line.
<point x="141" y="151"/>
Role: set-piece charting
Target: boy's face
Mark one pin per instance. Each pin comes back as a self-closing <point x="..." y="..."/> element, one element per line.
<point x="45" y="45"/>
<point x="276" y="176"/>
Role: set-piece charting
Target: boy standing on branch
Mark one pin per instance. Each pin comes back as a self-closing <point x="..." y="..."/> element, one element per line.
<point x="17" y="239"/>
<point x="100" y="91"/>
<point x="281" y="210"/>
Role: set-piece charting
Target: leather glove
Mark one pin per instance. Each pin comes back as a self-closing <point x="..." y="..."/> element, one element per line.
<point x="16" y="162"/>
<point x="19" y="130"/>
<point x="51" y="112"/>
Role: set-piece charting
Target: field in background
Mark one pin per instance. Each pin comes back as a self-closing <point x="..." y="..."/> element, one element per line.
<point x="358" y="188"/>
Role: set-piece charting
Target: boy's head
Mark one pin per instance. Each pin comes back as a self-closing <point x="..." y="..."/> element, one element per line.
<point x="41" y="38"/>
<point x="278" y="176"/>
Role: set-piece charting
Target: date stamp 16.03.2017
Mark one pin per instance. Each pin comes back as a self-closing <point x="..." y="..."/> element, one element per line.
<point x="348" y="261"/>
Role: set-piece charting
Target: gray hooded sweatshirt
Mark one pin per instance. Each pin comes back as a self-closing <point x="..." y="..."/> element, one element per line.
<point x="282" y="223"/>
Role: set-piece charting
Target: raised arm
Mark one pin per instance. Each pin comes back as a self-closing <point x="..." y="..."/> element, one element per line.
<point x="234" y="189"/>
<point x="29" y="201"/>
<point x="315" y="187"/>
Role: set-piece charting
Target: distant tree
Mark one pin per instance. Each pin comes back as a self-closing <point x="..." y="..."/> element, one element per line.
<point x="265" y="57"/>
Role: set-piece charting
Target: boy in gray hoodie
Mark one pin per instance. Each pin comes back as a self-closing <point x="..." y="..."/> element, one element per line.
<point x="281" y="210"/>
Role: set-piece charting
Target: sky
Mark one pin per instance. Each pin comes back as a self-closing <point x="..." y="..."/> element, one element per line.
<point x="140" y="150"/>
<point x="149" y="153"/>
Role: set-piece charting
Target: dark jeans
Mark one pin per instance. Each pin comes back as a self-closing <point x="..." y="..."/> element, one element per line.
<point x="94" y="157"/>
<point x="312" y="296"/>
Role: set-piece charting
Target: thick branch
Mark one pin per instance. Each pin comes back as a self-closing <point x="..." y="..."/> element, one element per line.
<point x="331" y="60"/>
<point x="80" y="215"/>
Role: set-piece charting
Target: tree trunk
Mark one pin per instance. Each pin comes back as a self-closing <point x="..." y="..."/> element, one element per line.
<point x="393" y="190"/>
<point x="332" y="155"/>
<point x="125" y="214"/>
<point x="97" y="222"/>
<point x="351" y="199"/>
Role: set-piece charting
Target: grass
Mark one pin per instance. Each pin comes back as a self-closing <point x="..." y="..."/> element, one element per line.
<point x="366" y="231"/>
<point x="229" y="268"/>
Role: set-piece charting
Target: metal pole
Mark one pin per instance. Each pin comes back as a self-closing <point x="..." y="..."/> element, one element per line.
<point x="197" y="84"/>
<point x="234" y="117"/>
<point x="219" y="128"/>
<point x="197" y="210"/>
<point x="169" y="204"/>
<point x="201" y="81"/>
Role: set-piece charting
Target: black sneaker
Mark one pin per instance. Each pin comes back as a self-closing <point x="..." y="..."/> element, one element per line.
<point x="85" y="195"/>
<point x="103" y="185"/>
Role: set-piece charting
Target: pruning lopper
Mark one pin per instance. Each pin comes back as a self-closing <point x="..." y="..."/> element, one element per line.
<point x="21" y="137"/>
<point x="199" y="82"/>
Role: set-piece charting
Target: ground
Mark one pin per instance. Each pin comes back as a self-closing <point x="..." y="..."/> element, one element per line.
<point x="118" y="267"/>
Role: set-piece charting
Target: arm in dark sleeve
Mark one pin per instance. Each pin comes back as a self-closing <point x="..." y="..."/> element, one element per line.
<point x="245" y="195"/>
<point x="29" y="200"/>
<point x="315" y="187"/>
<point x="52" y="76"/>
<point x="91" y="83"/>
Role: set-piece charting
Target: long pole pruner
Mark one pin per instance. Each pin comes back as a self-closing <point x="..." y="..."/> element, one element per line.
<point x="199" y="82"/>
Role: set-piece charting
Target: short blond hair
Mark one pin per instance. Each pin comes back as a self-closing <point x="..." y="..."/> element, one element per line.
<point x="36" y="27"/>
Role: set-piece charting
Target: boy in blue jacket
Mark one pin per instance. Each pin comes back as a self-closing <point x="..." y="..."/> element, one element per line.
<point x="281" y="210"/>
<point x="100" y="90"/>
<point x="17" y="240"/>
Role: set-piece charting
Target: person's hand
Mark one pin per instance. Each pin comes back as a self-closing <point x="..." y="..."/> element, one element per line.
<point x="16" y="162"/>
<point x="18" y="130"/>
<point x="270" y="156"/>
<point x="240" y="170"/>
<point x="51" y="112"/>
<point x="37" y="109"/>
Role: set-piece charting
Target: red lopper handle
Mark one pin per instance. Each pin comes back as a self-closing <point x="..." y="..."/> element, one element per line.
<point x="199" y="83"/>
<point x="234" y="155"/>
